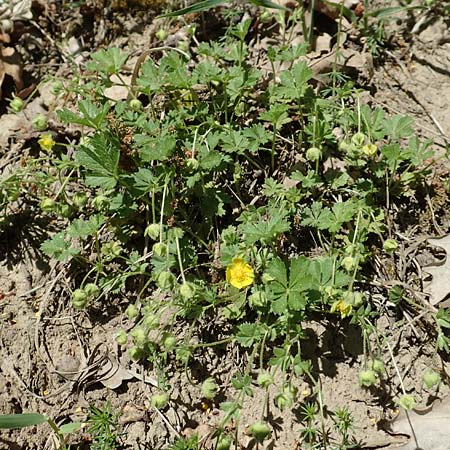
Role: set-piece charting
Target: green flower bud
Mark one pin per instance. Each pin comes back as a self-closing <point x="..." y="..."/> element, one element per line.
<point x="64" y="210"/>
<point x="178" y="233"/>
<point x="258" y="299"/>
<point x="358" y="299"/>
<point x="169" y="342"/>
<point x="407" y="402"/>
<point x="265" y="16"/>
<point x="358" y="139"/>
<point x="165" y="280"/>
<point x="79" y="200"/>
<point x="132" y="311"/>
<point x="313" y="154"/>
<point x="160" y="249"/>
<point x="135" y="353"/>
<point x="92" y="290"/>
<point x="259" y="430"/>
<point x="150" y="321"/>
<point x="187" y="290"/>
<point x="223" y="443"/>
<point x="152" y="231"/>
<point x="431" y="378"/>
<point x="209" y="388"/>
<point x="349" y="263"/>
<point x="265" y="379"/>
<point x="112" y="249"/>
<point x="367" y="378"/>
<point x="285" y="399"/>
<point x="56" y="88"/>
<point x="390" y="245"/>
<point x="135" y="104"/>
<point x="192" y="164"/>
<point x="159" y="401"/>
<point x="162" y="34"/>
<point x="139" y="335"/>
<point x="122" y="337"/>
<point x="79" y="299"/>
<point x="100" y="202"/>
<point x="191" y="29"/>
<point x="40" y="122"/>
<point x="47" y="204"/>
<point x="16" y="104"/>
<point x="344" y="146"/>
<point x="183" y="45"/>
<point x="377" y="366"/>
<point x="267" y="278"/>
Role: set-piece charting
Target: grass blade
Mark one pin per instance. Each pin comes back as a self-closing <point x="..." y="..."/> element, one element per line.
<point x="196" y="7"/>
<point x="9" y="421"/>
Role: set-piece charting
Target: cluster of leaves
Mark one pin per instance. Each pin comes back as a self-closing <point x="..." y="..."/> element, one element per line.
<point x="207" y="161"/>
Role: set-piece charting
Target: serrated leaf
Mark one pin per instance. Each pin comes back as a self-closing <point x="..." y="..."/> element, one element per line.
<point x="80" y="228"/>
<point x="265" y="229"/>
<point x="145" y="181"/>
<point x="213" y="160"/>
<point x="108" y="61"/>
<point x="318" y="216"/>
<point x="398" y="127"/>
<point x="294" y="82"/>
<point x="59" y="248"/>
<point x="155" y="148"/>
<point x="248" y="334"/>
<point x="91" y="115"/>
<point x="101" y="160"/>
<point x="150" y="79"/>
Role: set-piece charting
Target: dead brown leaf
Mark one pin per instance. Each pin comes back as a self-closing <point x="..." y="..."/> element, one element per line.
<point x="10" y="65"/>
<point x="439" y="286"/>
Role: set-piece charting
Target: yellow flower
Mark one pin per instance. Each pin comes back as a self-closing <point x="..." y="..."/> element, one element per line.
<point x="239" y="273"/>
<point x="343" y="307"/>
<point x="46" y="142"/>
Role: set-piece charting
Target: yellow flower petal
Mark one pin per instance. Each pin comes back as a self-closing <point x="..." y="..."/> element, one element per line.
<point x="240" y="274"/>
<point x="342" y="307"/>
<point x="46" y="142"/>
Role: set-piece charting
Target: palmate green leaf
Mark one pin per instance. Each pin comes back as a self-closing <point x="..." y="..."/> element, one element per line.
<point x="318" y="216"/>
<point x="100" y="158"/>
<point x="294" y="82"/>
<point x="288" y="292"/>
<point x="150" y="80"/>
<point x="173" y="66"/>
<point x="443" y="318"/>
<point x="12" y="421"/>
<point x="108" y="61"/>
<point x="234" y="141"/>
<point x="155" y="148"/>
<point x="398" y="127"/>
<point x="80" y="228"/>
<point x="144" y="181"/>
<point x="91" y="115"/>
<point x="250" y="333"/>
<point x="372" y="122"/>
<point x="210" y="160"/>
<point x="209" y="4"/>
<point x="59" y="247"/>
<point x="265" y="229"/>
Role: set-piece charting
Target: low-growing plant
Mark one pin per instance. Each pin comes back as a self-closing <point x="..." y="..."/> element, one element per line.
<point x="216" y="192"/>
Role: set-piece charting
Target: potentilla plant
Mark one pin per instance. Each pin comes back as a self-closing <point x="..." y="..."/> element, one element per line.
<point x="233" y="194"/>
